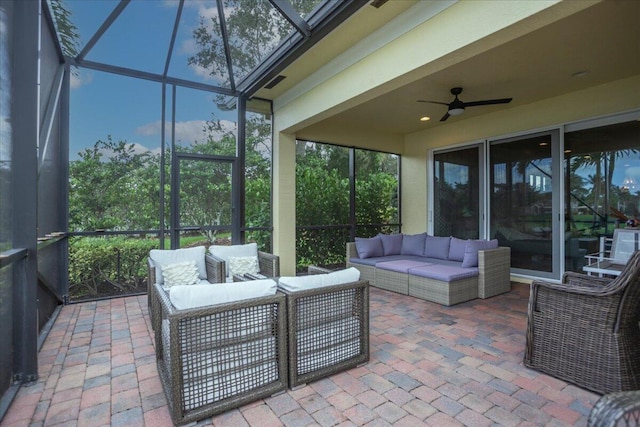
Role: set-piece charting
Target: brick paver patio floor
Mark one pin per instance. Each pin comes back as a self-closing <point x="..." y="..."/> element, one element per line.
<point x="430" y="365"/>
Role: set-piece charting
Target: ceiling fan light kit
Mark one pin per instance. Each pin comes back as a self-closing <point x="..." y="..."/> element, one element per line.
<point x="457" y="107"/>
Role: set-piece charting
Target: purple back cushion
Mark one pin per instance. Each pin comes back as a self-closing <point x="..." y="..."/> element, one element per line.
<point x="472" y="248"/>
<point x="456" y="249"/>
<point x="436" y="247"/>
<point x="369" y="247"/>
<point x="413" y="244"/>
<point x="391" y="243"/>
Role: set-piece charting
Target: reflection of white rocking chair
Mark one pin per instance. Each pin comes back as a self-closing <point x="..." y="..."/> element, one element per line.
<point x="613" y="253"/>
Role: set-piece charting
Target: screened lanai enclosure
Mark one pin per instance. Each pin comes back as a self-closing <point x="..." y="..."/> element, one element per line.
<point x="129" y="125"/>
<point x="147" y="136"/>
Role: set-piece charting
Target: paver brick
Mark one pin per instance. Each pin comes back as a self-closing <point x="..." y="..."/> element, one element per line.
<point x="429" y="365"/>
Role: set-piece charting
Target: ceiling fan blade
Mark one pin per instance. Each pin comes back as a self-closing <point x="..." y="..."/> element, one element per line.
<point x="445" y="117"/>
<point x="433" y="102"/>
<point x="488" y="102"/>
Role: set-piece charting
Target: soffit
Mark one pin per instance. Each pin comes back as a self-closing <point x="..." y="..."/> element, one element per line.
<point x="603" y="39"/>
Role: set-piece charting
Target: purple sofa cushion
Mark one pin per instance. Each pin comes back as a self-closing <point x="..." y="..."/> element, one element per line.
<point x="456" y="249"/>
<point x="437" y="247"/>
<point x="401" y="266"/>
<point x="472" y="248"/>
<point x="444" y="273"/>
<point x="369" y="247"/>
<point x="413" y="244"/>
<point x="391" y="243"/>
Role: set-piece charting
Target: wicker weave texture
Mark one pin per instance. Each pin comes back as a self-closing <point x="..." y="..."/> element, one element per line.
<point x="494" y="267"/>
<point x="616" y="409"/>
<point x="586" y="330"/>
<point x="445" y="293"/>
<point x="393" y="281"/>
<point x="328" y="330"/>
<point x="215" y="358"/>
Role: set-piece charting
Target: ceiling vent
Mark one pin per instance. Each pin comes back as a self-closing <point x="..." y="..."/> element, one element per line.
<point x="378" y="3"/>
<point x="275" y="81"/>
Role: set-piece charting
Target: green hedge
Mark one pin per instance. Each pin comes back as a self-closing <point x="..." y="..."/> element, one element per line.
<point x="103" y="266"/>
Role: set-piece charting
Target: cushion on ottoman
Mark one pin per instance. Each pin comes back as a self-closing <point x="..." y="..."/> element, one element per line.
<point x="444" y="273"/>
<point x="401" y="266"/>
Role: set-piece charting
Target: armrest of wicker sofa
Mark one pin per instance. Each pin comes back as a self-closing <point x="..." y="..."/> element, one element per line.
<point x="579" y="279"/>
<point x="269" y="264"/>
<point x="328" y="330"/>
<point x="218" y="357"/>
<point x="494" y="272"/>
<point x="215" y="269"/>
<point x="352" y="251"/>
<point x="314" y="269"/>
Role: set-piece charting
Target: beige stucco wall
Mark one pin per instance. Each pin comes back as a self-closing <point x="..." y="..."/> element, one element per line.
<point x="401" y="59"/>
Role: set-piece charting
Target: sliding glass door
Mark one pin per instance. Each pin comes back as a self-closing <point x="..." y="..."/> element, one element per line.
<point x="457" y="184"/>
<point x="524" y="202"/>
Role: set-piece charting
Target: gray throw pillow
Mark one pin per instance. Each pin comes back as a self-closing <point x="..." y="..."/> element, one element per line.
<point x="436" y="247"/>
<point x="413" y="244"/>
<point x="369" y="247"/>
<point x="456" y="249"/>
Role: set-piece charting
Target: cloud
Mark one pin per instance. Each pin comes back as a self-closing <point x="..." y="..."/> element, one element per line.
<point x="80" y="78"/>
<point x="137" y="149"/>
<point x="187" y="132"/>
<point x="633" y="171"/>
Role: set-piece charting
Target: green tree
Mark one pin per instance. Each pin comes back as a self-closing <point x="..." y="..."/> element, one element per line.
<point x="112" y="187"/>
<point x="323" y="199"/>
<point x="254" y="29"/>
<point x="67" y="31"/>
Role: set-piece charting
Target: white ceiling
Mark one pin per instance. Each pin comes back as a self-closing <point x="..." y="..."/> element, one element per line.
<point x="603" y="40"/>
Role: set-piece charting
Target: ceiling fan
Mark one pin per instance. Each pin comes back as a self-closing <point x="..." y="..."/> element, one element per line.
<point x="456" y="107"/>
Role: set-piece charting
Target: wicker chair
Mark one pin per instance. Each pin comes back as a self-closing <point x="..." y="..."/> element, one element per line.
<point x="218" y="357"/>
<point x="328" y="329"/>
<point x="616" y="409"/>
<point x="215" y="274"/>
<point x="587" y="330"/>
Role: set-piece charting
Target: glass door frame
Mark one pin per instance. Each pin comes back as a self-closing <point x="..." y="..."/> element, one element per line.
<point x="557" y="202"/>
<point x="482" y="200"/>
<point x="236" y="194"/>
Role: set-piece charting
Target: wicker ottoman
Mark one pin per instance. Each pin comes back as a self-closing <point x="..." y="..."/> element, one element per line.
<point x="443" y="284"/>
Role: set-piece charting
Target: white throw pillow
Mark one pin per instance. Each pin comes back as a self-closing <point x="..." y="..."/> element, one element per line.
<point x="243" y="265"/>
<point x="180" y="273"/>
<point x="183" y="297"/>
<point x="224" y="252"/>
<point x="162" y="257"/>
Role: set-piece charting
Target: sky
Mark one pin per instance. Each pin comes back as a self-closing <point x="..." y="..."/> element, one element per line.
<point x="125" y="108"/>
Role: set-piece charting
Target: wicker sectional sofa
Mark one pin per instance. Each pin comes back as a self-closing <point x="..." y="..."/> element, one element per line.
<point x="445" y="270"/>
